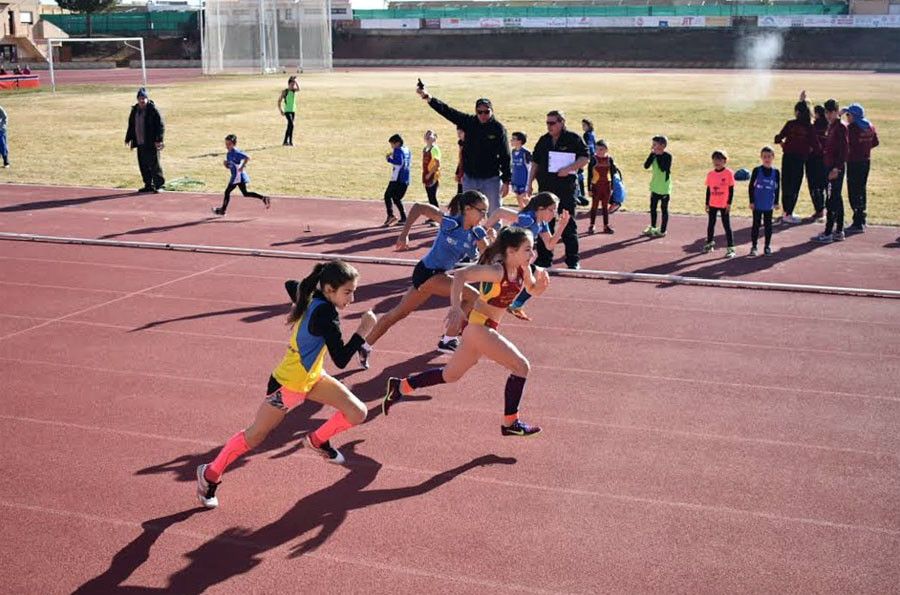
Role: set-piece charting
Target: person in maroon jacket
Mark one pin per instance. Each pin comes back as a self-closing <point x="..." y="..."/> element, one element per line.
<point x="798" y="140"/>
<point x="816" y="177"/>
<point x="863" y="139"/>
<point x="837" y="145"/>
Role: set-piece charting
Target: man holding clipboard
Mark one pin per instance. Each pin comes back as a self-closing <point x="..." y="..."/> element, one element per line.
<point x="557" y="157"/>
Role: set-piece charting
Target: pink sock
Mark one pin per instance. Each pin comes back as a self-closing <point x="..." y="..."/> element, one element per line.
<point x="235" y="447"/>
<point x="337" y="424"/>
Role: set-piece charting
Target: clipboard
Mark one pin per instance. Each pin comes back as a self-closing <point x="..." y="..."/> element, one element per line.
<point x="557" y="160"/>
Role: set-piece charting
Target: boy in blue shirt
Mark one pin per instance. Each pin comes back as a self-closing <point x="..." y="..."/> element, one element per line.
<point x="521" y="166"/>
<point x="236" y="161"/>
<point x="400" y="158"/>
<point x="765" y="183"/>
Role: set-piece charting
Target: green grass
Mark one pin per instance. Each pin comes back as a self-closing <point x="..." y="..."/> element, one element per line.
<point x="76" y="136"/>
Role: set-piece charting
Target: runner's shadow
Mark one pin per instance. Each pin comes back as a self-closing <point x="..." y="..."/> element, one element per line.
<point x="148" y="230"/>
<point x="353" y="241"/>
<point x="306" y="526"/>
<point x="253" y="314"/>
<point x="61" y="202"/>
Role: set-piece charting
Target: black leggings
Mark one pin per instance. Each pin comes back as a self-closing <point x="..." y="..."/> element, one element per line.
<point x="726" y="223"/>
<point x="431" y="192"/>
<point x="815" y="179"/>
<point x="791" y="179"/>
<point x="394" y="194"/>
<point x="243" y="188"/>
<point x="764" y="217"/>
<point x="857" y="178"/>
<point x="289" y="131"/>
<point x="663" y="201"/>
<point x="834" y="203"/>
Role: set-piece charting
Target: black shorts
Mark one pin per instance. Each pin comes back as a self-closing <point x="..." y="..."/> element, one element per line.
<point x="422" y="273"/>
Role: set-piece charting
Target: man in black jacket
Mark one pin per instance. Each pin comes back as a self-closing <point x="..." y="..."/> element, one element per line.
<point x="557" y="157"/>
<point x="145" y="133"/>
<point x="486" y="167"/>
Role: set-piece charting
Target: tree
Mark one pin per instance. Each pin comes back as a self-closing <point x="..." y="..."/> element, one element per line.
<point x="88" y="7"/>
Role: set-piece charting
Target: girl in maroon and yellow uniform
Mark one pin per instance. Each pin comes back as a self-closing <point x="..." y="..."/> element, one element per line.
<point x="503" y="271"/>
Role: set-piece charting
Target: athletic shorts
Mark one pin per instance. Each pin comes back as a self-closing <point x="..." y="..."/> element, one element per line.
<point x="479" y="319"/>
<point x="422" y="273"/>
<point x="282" y="398"/>
<point x="517" y="190"/>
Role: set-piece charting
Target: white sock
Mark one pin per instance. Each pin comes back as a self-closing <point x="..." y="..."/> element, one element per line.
<point x="447" y="338"/>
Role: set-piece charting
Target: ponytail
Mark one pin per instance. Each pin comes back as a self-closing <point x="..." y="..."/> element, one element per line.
<point x="466" y="199"/>
<point x="509" y="237"/>
<point x="539" y="201"/>
<point x="334" y="274"/>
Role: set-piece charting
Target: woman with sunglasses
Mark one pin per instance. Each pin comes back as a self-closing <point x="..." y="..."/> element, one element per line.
<point x="460" y="235"/>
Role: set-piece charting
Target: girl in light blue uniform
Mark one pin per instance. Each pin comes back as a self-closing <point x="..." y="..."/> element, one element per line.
<point x="460" y="236"/>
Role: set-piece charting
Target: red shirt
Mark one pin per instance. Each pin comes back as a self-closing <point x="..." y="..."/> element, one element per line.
<point x="797" y="137"/>
<point x="837" y="145"/>
<point x="718" y="183"/>
<point x="861" y="142"/>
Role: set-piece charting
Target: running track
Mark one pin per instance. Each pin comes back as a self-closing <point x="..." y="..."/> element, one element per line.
<point x="696" y="440"/>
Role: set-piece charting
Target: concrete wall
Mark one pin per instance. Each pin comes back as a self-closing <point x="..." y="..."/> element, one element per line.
<point x="676" y="48"/>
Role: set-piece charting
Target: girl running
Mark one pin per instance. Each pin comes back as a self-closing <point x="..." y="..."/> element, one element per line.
<point x="503" y="271"/>
<point x="236" y="161"/>
<point x="536" y="218"/>
<point x="315" y="327"/>
<point x="460" y="235"/>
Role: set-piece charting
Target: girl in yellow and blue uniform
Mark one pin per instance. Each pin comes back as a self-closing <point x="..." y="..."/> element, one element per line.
<point x="315" y="328"/>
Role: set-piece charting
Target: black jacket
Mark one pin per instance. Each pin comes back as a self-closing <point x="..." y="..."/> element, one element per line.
<point x="486" y="146"/>
<point x="154" y="127"/>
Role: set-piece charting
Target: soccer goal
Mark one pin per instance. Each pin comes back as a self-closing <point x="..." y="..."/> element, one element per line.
<point x="56" y="42"/>
<point x="266" y="36"/>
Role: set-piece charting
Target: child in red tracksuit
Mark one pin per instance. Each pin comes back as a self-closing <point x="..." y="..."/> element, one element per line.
<point x="601" y="185"/>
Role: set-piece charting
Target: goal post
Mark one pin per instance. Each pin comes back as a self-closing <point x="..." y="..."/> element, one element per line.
<point x="266" y="36"/>
<point x="58" y="41"/>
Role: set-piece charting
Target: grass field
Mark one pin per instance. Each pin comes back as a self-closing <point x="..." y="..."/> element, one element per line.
<point x="76" y="136"/>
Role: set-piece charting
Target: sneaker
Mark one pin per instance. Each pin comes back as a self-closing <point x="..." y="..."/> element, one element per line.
<point x="855" y="229"/>
<point x="267" y="202"/>
<point x="326" y="451"/>
<point x="658" y="233"/>
<point x="753" y="251"/>
<point x="575" y="267"/>
<point x="838" y="236"/>
<point x="206" y="490"/>
<point x="519" y="428"/>
<point x="448" y="346"/>
<point x="709" y="247"/>
<point x="363" y="354"/>
<point x="609" y="231"/>
<point x="519" y="313"/>
<point x="819" y="216"/>
<point x="401" y="221"/>
<point x="823" y="238"/>
<point x="767" y="251"/>
<point x="145" y="190"/>
<point x="5" y="166"/>
<point x="389" y="221"/>
<point x="392" y="394"/>
<point x="648" y="231"/>
<point x="582" y="201"/>
<point x="730" y="253"/>
<point x="791" y="219"/>
<point x="218" y="211"/>
<point x="591" y="230"/>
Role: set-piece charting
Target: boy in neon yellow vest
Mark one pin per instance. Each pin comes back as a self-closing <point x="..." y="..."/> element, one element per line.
<point x="660" y="161"/>
<point x="289" y="98"/>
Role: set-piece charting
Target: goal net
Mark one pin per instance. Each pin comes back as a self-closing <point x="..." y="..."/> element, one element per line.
<point x="266" y="36"/>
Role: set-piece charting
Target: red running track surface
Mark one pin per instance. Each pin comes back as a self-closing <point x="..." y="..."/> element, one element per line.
<point x="696" y="439"/>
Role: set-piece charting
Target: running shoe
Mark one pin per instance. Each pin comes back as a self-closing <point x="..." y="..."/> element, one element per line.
<point x="519" y="428"/>
<point x="448" y="346"/>
<point x="218" y="211"/>
<point x="363" y="354"/>
<point x="610" y="231"/>
<point x="730" y="253"/>
<point x="819" y="216"/>
<point x="648" y="231"/>
<point x="590" y="230"/>
<point x="389" y="221"/>
<point x="392" y="394"/>
<point x="582" y="201"/>
<point x="767" y="251"/>
<point x="709" y="247"/>
<point x="658" y="233"/>
<point x="854" y="229"/>
<point x="518" y="313"/>
<point x="401" y="221"/>
<point x="823" y="238"/>
<point x="206" y="490"/>
<point x="575" y="267"/>
<point x="326" y="451"/>
<point x="838" y="236"/>
<point x="753" y="251"/>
